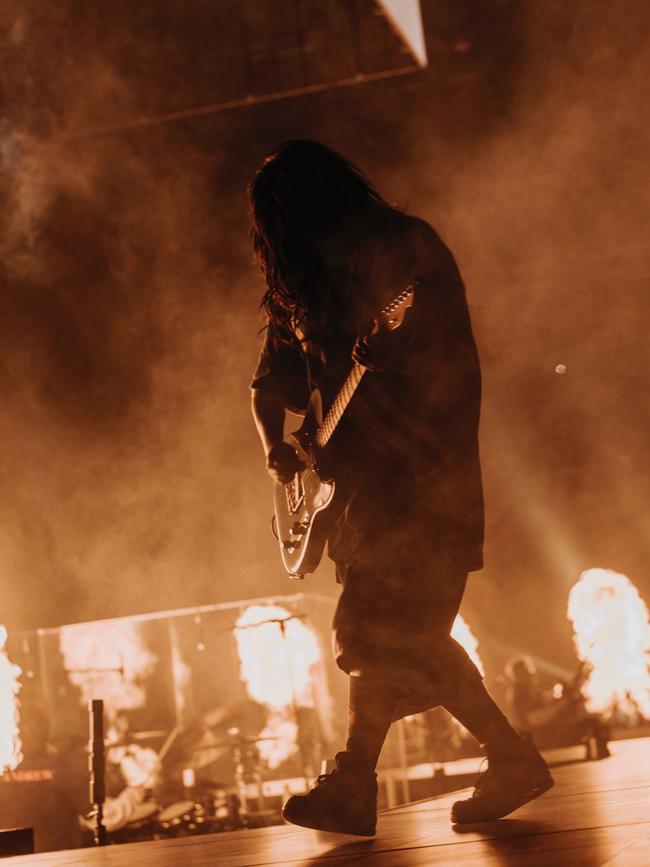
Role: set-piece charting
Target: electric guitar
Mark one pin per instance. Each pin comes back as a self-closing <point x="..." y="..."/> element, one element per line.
<point x="301" y="519"/>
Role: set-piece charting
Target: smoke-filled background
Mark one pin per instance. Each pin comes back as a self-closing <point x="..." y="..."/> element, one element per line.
<point x="132" y="479"/>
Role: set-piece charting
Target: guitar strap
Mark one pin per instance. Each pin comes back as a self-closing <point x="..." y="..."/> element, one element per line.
<point x="304" y="348"/>
<point x="310" y="381"/>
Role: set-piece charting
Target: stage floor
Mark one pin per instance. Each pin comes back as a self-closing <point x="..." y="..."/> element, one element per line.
<point x="598" y="813"/>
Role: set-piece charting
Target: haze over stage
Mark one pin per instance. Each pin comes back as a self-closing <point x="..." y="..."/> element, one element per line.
<point x="134" y="488"/>
<point x="598" y="813"/>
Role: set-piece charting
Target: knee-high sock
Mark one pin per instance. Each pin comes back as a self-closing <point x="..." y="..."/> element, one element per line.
<point x="370" y="713"/>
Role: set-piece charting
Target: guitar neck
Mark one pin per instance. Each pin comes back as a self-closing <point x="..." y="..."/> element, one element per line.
<point x="338" y="407"/>
<point x="390" y="318"/>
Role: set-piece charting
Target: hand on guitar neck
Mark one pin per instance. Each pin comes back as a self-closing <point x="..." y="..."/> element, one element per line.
<point x="378" y="348"/>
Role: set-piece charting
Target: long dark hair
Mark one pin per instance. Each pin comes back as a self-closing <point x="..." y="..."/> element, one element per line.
<point x="300" y="199"/>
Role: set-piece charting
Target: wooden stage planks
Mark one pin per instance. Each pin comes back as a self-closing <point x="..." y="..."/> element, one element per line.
<point x="598" y="813"/>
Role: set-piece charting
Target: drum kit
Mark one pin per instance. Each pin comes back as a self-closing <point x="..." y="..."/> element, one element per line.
<point x="210" y="812"/>
<point x="207" y="806"/>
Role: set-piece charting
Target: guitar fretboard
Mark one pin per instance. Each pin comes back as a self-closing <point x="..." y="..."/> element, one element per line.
<point x="335" y="412"/>
<point x="391" y="316"/>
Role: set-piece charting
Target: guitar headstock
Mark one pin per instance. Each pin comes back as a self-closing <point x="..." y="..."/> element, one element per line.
<point x="392" y="315"/>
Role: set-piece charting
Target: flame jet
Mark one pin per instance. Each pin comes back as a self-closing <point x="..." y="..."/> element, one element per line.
<point x="10" y="745"/>
<point x="612" y="635"/>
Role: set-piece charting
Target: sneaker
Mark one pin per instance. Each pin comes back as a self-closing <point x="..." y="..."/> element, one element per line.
<point x="344" y="801"/>
<point x="513" y="777"/>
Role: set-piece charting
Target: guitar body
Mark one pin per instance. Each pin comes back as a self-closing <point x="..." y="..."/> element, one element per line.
<point x="301" y="517"/>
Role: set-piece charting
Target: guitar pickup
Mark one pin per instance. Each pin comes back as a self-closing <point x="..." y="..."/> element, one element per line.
<point x="299" y="528"/>
<point x="291" y="544"/>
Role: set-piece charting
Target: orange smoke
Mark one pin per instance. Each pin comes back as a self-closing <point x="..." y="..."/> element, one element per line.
<point x="612" y="635"/>
<point x="10" y="746"/>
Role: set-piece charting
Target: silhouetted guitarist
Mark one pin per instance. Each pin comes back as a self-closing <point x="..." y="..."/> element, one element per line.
<point x="405" y="461"/>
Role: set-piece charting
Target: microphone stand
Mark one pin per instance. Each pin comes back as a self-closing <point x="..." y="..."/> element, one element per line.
<point x="97" y="770"/>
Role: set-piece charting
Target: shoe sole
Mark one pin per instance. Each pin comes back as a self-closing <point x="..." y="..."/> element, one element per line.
<point x="530" y="795"/>
<point x="331" y="829"/>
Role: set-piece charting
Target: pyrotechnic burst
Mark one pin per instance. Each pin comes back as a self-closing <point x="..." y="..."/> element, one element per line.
<point x="461" y="632"/>
<point x="612" y="635"/>
<point x="10" y="746"/>
<point x="107" y="660"/>
<point x="277" y="652"/>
